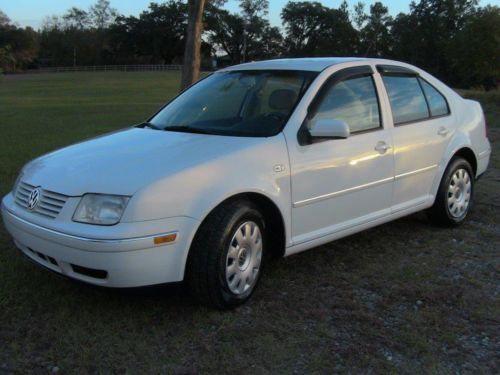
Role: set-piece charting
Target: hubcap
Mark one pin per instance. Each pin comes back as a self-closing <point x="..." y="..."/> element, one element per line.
<point x="244" y="258"/>
<point x="459" y="193"/>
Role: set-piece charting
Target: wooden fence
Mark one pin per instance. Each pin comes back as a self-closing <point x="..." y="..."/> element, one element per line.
<point x="104" y="68"/>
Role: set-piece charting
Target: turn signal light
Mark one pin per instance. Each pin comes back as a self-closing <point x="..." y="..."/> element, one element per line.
<point x="160" y="240"/>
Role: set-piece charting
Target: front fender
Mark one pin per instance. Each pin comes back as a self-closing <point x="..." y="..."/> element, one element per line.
<point x="196" y="191"/>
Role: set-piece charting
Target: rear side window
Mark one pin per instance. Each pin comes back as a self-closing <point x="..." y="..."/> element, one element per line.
<point x="437" y="103"/>
<point x="407" y="99"/>
<point x="353" y="101"/>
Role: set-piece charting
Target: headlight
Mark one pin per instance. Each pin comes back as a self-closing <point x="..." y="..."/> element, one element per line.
<point x="100" y="209"/>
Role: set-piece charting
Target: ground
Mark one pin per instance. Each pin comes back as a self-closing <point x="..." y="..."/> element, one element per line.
<point x="405" y="297"/>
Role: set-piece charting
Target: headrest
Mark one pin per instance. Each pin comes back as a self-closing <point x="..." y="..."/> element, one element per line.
<point x="282" y="99"/>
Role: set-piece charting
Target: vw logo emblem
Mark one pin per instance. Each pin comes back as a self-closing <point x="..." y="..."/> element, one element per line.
<point x="33" y="198"/>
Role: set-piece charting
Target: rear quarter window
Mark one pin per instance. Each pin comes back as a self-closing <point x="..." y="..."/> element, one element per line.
<point x="437" y="102"/>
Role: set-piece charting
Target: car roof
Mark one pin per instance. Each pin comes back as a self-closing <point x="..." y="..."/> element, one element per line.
<point x="309" y="63"/>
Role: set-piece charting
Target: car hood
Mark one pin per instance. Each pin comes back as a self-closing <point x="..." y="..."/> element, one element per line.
<point x="125" y="161"/>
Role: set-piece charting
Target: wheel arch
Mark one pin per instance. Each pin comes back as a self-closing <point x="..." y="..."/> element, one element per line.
<point x="461" y="146"/>
<point x="467" y="154"/>
<point x="439" y="213"/>
<point x="272" y="215"/>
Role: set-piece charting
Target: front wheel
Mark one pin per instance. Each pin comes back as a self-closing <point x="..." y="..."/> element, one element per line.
<point x="454" y="197"/>
<point x="226" y="256"/>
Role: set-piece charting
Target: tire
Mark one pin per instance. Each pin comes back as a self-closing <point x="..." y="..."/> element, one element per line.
<point x="454" y="196"/>
<point x="229" y="246"/>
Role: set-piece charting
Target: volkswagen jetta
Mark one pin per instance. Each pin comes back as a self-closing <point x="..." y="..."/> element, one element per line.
<point x="272" y="157"/>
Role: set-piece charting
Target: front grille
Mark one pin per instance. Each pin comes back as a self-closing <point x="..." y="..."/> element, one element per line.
<point x="49" y="205"/>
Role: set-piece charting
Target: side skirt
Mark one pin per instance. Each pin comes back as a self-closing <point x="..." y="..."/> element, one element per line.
<point x="297" y="248"/>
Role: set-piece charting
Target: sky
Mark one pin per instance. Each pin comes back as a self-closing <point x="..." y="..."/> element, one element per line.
<point x="32" y="12"/>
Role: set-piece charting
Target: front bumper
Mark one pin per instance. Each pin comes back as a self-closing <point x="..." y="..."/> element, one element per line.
<point x="112" y="262"/>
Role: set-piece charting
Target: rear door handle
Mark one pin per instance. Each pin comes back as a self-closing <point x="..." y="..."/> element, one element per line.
<point x="443" y="132"/>
<point x="382" y="147"/>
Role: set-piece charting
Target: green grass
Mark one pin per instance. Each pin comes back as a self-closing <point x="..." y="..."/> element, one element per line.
<point x="48" y="111"/>
<point x="405" y="297"/>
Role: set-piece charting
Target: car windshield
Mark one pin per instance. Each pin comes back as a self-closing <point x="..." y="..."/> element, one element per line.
<point x="236" y="103"/>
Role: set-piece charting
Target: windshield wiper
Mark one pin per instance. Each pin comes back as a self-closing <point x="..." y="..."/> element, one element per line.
<point x="149" y="125"/>
<point x="185" y="129"/>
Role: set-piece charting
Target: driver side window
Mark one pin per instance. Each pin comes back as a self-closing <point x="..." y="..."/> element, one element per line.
<point x="353" y="101"/>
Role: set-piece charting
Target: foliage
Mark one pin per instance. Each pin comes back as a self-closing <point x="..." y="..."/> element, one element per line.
<point x="18" y="46"/>
<point x="456" y="40"/>
<point x="426" y="32"/>
<point x="243" y="37"/>
<point x="315" y="30"/>
<point x="156" y="36"/>
<point x="474" y="52"/>
<point x="102" y="14"/>
<point x="374" y="30"/>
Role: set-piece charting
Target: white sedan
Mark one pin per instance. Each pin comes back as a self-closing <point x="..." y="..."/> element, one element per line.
<point x="271" y="157"/>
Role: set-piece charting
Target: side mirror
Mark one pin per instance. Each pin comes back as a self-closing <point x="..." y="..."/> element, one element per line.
<point x="329" y="128"/>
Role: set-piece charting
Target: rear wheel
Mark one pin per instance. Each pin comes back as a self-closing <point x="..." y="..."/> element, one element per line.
<point x="454" y="197"/>
<point x="226" y="256"/>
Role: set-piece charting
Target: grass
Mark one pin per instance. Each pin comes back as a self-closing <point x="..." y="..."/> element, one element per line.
<point x="45" y="112"/>
<point x="405" y="297"/>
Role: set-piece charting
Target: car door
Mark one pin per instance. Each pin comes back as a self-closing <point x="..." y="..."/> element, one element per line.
<point x="422" y="123"/>
<point x="340" y="183"/>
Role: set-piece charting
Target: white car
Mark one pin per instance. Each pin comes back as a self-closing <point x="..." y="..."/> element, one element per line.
<point x="271" y="157"/>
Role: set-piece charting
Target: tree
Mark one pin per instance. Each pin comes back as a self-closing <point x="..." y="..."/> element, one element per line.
<point x="474" y="52"/>
<point x="18" y="46"/>
<point x="271" y="44"/>
<point x="156" y="37"/>
<point x="192" y="55"/>
<point x="315" y="30"/>
<point x="254" y="24"/>
<point x="102" y="14"/>
<point x="422" y="36"/>
<point x="76" y="17"/>
<point x="225" y="32"/>
<point x="4" y="19"/>
<point x="374" y="30"/>
<point x="244" y="37"/>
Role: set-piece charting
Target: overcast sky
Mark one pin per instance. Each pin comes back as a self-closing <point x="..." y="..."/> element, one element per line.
<point x="31" y="12"/>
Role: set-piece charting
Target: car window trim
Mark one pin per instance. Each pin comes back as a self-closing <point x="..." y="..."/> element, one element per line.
<point x="395" y="70"/>
<point x="400" y="71"/>
<point x="425" y="98"/>
<point x="380" y="122"/>
<point x="341" y="76"/>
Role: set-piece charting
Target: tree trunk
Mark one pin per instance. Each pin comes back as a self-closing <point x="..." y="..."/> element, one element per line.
<point x="192" y="59"/>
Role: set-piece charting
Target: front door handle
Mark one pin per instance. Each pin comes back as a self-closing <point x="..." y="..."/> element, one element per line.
<point x="443" y="132"/>
<point x="382" y="147"/>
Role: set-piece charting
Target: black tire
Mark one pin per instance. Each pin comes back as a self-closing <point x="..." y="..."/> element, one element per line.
<point x="440" y="213"/>
<point x="206" y="266"/>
